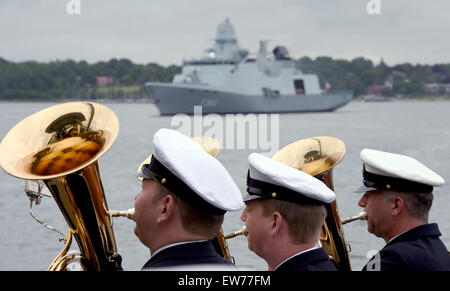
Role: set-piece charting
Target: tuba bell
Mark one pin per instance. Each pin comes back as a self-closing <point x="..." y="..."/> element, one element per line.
<point x="317" y="156"/>
<point x="61" y="146"/>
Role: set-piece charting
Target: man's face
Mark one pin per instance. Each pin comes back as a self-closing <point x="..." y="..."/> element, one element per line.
<point x="145" y="211"/>
<point x="257" y="226"/>
<point x="378" y="212"/>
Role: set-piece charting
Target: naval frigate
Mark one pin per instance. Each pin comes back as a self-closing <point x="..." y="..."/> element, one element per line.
<point x="228" y="79"/>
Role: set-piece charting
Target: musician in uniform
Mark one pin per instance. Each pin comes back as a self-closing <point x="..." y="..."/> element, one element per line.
<point x="398" y="193"/>
<point x="284" y="214"/>
<point x="185" y="194"/>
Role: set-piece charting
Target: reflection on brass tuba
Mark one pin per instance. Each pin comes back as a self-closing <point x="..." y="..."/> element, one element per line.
<point x="60" y="145"/>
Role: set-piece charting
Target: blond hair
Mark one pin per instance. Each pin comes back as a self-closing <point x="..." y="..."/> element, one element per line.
<point x="193" y="219"/>
<point x="304" y="220"/>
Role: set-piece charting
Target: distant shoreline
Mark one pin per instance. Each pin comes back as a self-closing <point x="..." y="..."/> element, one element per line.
<point x="405" y="99"/>
<point x="77" y="100"/>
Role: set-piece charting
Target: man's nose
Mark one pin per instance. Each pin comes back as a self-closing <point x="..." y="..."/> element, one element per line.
<point x="362" y="202"/>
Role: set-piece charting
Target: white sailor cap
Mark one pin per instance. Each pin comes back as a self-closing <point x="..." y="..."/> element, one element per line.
<point x="188" y="171"/>
<point x="268" y="178"/>
<point x="382" y="170"/>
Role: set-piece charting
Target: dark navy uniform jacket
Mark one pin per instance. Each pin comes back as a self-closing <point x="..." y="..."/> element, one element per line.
<point x="313" y="260"/>
<point x="186" y="254"/>
<point x="418" y="249"/>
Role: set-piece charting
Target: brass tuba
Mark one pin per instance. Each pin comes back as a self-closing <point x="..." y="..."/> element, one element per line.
<point x="61" y="146"/>
<point x="317" y="156"/>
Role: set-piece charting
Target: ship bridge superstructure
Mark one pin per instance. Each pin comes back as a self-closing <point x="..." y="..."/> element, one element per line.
<point x="228" y="66"/>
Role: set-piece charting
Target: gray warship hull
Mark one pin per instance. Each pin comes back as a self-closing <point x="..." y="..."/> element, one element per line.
<point x="177" y="98"/>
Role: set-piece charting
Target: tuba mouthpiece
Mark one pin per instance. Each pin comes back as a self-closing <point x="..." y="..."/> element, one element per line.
<point x="361" y="216"/>
<point x="243" y="231"/>
<point x="123" y="213"/>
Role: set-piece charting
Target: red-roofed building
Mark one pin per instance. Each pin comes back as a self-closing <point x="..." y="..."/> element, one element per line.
<point x="377" y="90"/>
<point x="103" y="81"/>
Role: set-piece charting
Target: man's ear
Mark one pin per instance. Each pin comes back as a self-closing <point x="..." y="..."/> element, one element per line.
<point x="166" y="208"/>
<point x="276" y="223"/>
<point x="397" y="205"/>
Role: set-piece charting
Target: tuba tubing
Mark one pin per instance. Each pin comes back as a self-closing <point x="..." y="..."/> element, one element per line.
<point x="61" y="145"/>
<point x="332" y="238"/>
<point x="81" y="199"/>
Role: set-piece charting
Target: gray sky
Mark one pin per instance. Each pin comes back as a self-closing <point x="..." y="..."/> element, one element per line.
<point x="166" y="31"/>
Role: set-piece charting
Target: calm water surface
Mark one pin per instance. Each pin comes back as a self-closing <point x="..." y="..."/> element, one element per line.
<point x="416" y="128"/>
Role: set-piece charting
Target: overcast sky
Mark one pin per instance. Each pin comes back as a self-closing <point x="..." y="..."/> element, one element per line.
<point x="166" y="31"/>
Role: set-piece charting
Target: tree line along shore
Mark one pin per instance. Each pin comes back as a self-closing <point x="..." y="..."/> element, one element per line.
<point x="123" y="79"/>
